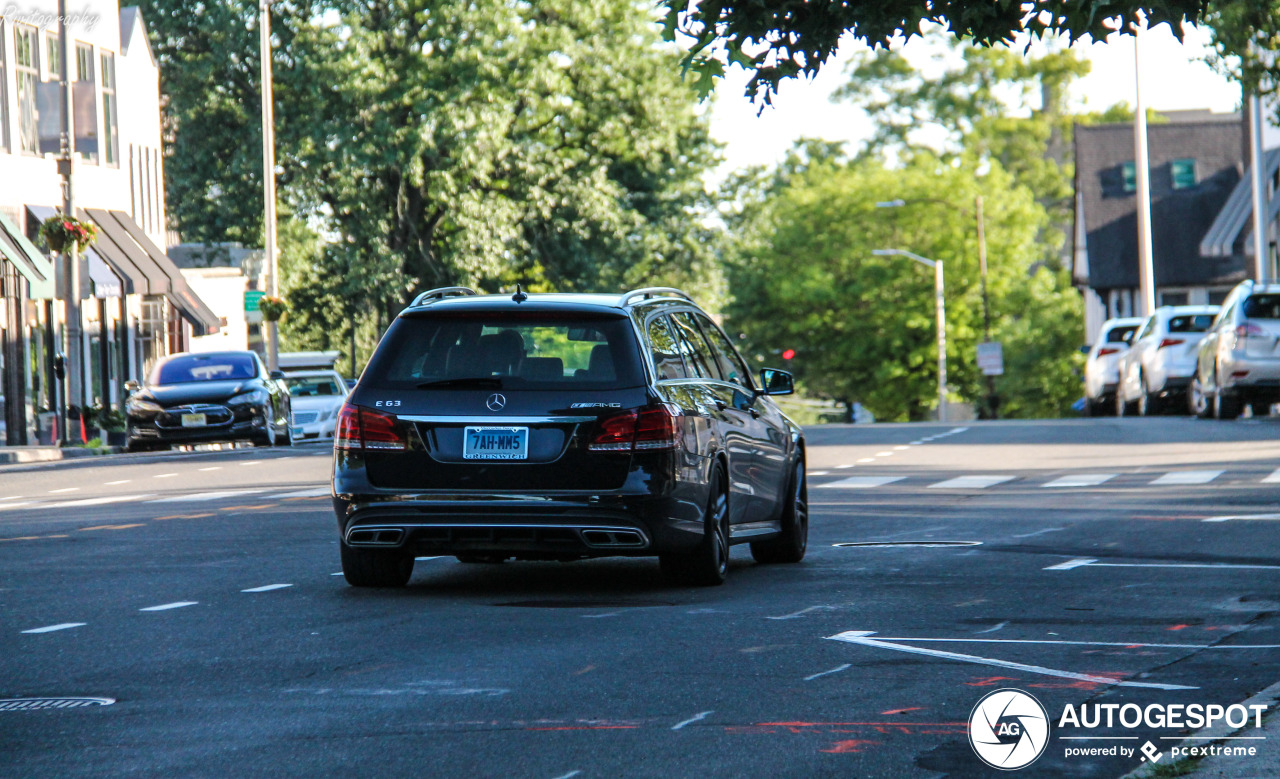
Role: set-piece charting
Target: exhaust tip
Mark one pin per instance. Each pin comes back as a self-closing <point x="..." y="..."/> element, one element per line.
<point x="375" y="537"/>
<point x="614" y="538"/>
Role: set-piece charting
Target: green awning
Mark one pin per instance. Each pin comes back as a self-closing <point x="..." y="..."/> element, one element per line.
<point x="34" y="266"/>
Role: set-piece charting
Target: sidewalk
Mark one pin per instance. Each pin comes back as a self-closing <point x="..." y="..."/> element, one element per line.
<point x="41" y="454"/>
<point x="1263" y="765"/>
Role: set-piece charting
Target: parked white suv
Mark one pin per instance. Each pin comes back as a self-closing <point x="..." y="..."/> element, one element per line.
<point x="1101" y="369"/>
<point x="1239" y="359"/>
<point x="1162" y="359"/>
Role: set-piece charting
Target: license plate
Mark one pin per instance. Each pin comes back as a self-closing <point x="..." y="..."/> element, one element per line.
<point x="495" y="443"/>
<point x="194" y="420"/>
<point x="297" y="431"/>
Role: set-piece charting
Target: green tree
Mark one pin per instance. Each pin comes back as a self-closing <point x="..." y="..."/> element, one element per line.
<point x="803" y="277"/>
<point x="782" y="39"/>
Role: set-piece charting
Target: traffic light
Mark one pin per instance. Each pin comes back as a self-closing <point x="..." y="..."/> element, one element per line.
<point x="788" y="354"/>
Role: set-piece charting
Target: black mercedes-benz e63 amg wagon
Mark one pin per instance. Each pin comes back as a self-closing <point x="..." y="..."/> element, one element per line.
<point x="563" y="427"/>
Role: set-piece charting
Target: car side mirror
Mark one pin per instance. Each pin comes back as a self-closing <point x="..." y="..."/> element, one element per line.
<point x="777" y="382"/>
<point x="277" y="375"/>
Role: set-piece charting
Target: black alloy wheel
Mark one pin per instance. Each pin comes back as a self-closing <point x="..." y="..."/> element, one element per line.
<point x="376" y="567"/>
<point x="790" y="546"/>
<point x="708" y="564"/>
<point x="268" y="437"/>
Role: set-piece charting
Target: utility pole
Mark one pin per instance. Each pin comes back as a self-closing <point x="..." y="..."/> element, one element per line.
<point x="71" y="250"/>
<point x="1260" y="259"/>
<point x="1142" y="174"/>
<point x="268" y="178"/>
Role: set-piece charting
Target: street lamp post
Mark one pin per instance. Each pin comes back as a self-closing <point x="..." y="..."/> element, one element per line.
<point x="977" y="213"/>
<point x="939" y="297"/>
<point x="71" y="256"/>
<point x="268" y="178"/>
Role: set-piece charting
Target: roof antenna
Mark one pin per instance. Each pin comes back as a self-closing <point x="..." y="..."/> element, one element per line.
<point x="519" y="297"/>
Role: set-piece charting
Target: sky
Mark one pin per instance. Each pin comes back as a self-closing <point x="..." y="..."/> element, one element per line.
<point x="1174" y="77"/>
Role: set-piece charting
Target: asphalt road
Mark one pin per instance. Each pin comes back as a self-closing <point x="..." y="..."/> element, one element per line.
<point x="199" y="593"/>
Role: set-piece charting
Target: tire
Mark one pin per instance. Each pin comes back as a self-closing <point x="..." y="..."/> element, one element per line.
<point x="1260" y="409"/>
<point x="1226" y="406"/>
<point x="1149" y="405"/>
<point x="376" y="567"/>
<point x="790" y="546"/>
<point x="708" y="564"/>
<point x="268" y="437"/>
<point x="1091" y="408"/>
<point x="1197" y="404"/>
<point x="1123" y="408"/>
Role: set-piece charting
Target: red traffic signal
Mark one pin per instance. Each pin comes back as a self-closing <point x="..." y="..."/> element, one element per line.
<point x="788" y="354"/>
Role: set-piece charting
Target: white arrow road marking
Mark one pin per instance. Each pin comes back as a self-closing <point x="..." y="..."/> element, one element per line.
<point x="1231" y="517"/>
<point x="863" y="637"/>
<point x="1085" y="561"/>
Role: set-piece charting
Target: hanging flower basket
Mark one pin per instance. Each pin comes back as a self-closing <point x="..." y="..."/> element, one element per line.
<point x="58" y="231"/>
<point x="272" y="308"/>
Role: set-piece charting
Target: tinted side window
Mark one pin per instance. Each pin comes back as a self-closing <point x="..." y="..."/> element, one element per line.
<point x="1121" y="334"/>
<point x="1262" y="307"/>
<point x="732" y="368"/>
<point x="666" y="352"/>
<point x="1190" y="323"/>
<point x="697" y="355"/>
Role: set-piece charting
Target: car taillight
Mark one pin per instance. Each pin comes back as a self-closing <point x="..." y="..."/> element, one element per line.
<point x="1249" y="330"/>
<point x="1107" y="350"/>
<point x="1170" y="342"/>
<point x="362" y="428"/>
<point x="649" y="429"/>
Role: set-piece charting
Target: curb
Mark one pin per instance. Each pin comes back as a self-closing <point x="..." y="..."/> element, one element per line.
<point x="44" y="454"/>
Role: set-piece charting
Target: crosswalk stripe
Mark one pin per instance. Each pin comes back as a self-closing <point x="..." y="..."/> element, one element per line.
<point x="971" y="482"/>
<point x="862" y="482"/>
<point x="1081" y="480"/>
<point x="1187" y="477"/>
<point x="320" y="492"/>
<point x="203" y="496"/>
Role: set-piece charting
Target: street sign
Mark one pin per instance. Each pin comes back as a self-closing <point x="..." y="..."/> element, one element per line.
<point x="991" y="358"/>
<point x="251" y="298"/>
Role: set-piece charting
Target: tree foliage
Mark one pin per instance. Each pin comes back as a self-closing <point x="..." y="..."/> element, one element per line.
<point x="1246" y="39"/>
<point x="782" y="39"/>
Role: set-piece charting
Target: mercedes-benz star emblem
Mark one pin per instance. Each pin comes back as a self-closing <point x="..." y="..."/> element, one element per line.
<point x="496" y="402"/>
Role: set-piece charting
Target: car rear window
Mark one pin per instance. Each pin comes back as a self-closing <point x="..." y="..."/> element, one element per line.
<point x="1262" y="307"/>
<point x="1121" y="334"/>
<point x="1190" y="323"/>
<point x="204" y="367"/>
<point x="535" y="351"/>
<point x="312" y="386"/>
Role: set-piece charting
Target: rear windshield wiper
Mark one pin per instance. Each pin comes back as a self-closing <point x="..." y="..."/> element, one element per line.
<point x="473" y="381"/>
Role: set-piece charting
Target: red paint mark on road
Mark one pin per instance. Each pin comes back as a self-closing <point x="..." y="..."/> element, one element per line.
<point x="845" y="747"/>
<point x="1178" y="627"/>
<point x="892" y="712"/>
<point x="990" y="681"/>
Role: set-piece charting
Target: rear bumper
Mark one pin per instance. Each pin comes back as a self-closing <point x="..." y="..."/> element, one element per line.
<point x="1260" y="373"/>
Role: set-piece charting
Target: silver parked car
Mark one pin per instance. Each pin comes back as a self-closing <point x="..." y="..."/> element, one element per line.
<point x="1238" y="362"/>
<point x="1101" y="369"/>
<point x="1161" y="360"/>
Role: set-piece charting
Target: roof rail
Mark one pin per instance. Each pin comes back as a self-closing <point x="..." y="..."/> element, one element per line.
<point x="649" y="292"/>
<point x="433" y="295"/>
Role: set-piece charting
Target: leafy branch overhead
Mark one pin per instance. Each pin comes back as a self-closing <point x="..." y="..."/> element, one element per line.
<point x="779" y="39"/>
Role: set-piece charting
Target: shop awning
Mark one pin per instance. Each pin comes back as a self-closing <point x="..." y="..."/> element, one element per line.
<point x="1235" y="220"/>
<point x="106" y="284"/>
<point x="115" y="246"/>
<point x="34" y="266"/>
<point x="180" y="294"/>
<point x="133" y="280"/>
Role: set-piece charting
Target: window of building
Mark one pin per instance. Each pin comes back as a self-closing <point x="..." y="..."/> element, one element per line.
<point x="53" y="55"/>
<point x="84" y="62"/>
<point x="27" y="71"/>
<point x="1129" y="176"/>
<point x="110" y="129"/>
<point x="1173" y="298"/>
<point x="1183" y="173"/>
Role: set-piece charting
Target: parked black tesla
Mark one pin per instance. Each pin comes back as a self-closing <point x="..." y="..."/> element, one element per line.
<point x="562" y="427"/>
<point x="205" y="397"/>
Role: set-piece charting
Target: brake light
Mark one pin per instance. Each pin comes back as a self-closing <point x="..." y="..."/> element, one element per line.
<point x="1249" y="330"/>
<point x="362" y="428"/>
<point x="1103" y="352"/>
<point x="1170" y="342"/>
<point x="649" y="429"/>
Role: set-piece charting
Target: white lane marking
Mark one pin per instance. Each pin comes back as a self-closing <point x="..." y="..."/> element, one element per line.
<point x="863" y="637"/>
<point x="12" y="497"/>
<point x="64" y="489"/>
<point x="1231" y="517"/>
<point x="319" y="492"/>
<point x="802" y="612"/>
<point x="835" y="670"/>
<point x="1052" y="642"/>
<point x="819" y="473"/>
<point x="7" y="506"/>
<point x="884" y="454"/>
<point x="167" y="606"/>
<point x="1082" y="480"/>
<point x="861" y="482"/>
<point x="842" y="467"/>
<point x="916" y="443"/>
<point x="971" y="482"/>
<point x="214" y="468"/>
<point x="339" y="573"/>
<point x="1041" y="532"/>
<point x="163" y="475"/>
<point x="267" y="588"/>
<point x="196" y="497"/>
<point x="994" y="629"/>
<point x="250" y="462"/>
<point x="114" y="483"/>
<point x="1081" y="563"/>
<point x="1068" y="565"/>
<point x="51" y="628"/>
<point x="569" y="775"/>
<point x="94" y="501"/>
<point x="867" y="460"/>
<point x="1188" y="477"/>
<point x="900" y="448"/>
<point x="695" y="718"/>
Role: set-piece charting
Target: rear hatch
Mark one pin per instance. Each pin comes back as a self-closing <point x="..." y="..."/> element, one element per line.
<point x="1259" y="332"/>
<point x="499" y="401"/>
<point x="1185" y="332"/>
